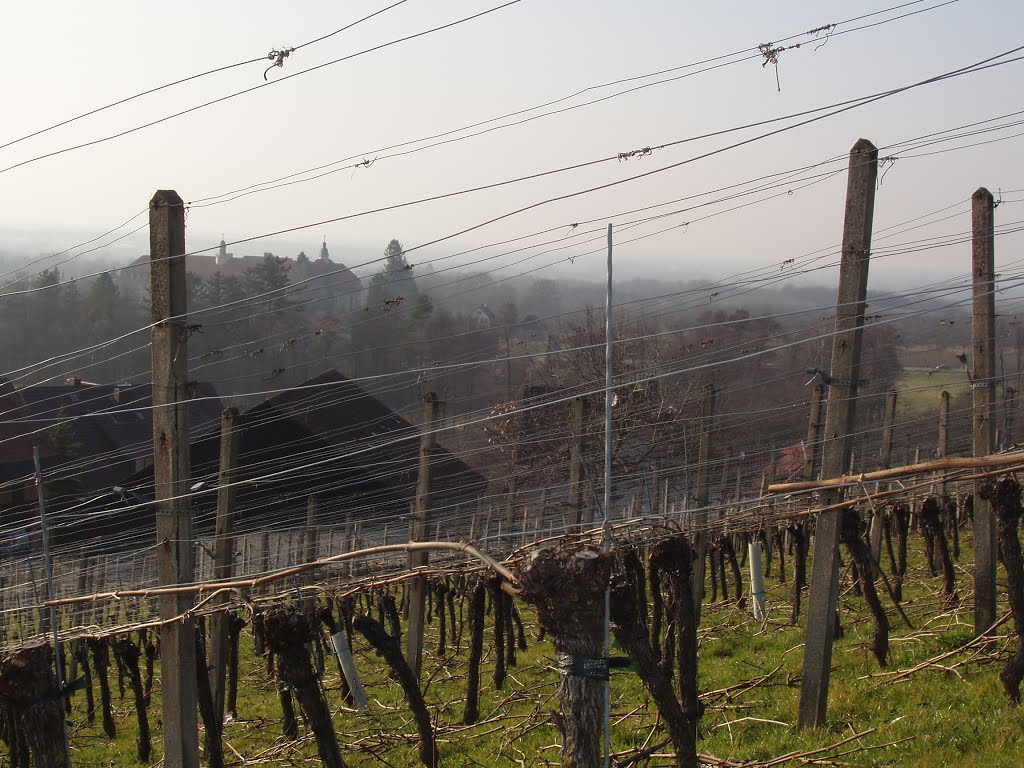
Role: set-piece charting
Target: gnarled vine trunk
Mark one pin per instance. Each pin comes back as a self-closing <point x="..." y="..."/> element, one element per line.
<point x="287" y="633"/>
<point x="851" y="536"/>
<point x="629" y="623"/>
<point x="29" y="685"/>
<point x="567" y="587"/>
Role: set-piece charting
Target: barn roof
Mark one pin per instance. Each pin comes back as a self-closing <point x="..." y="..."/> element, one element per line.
<point x="327" y="438"/>
<point x="112" y="421"/>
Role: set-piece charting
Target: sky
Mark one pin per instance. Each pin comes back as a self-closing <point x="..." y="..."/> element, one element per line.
<point x="66" y="58"/>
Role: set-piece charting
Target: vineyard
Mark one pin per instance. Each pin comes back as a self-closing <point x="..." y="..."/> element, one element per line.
<point x="749" y="681"/>
<point x="677" y="625"/>
<point x="490" y="665"/>
<point x="721" y="522"/>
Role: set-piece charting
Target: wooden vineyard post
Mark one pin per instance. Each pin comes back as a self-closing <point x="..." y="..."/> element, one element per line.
<point x="171" y="476"/>
<point x="941" y="452"/>
<point x="942" y="449"/>
<point x="1009" y="412"/>
<point x="700" y="539"/>
<point x="511" y="494"/>
<point x="418" y="586"/>
<point x="652" y="486"/>
<point x="576" y="479"/>
<point x="983" y="385"/>
<point x="812" y="449"/>
<point x="842" y="384"/>
<point x="223" y="553"/>
<point x="309" y="554"/>
<point x="884" y="462"/>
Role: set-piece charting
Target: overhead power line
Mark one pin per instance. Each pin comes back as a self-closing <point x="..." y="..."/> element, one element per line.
<point x="326" y="169"/>
<point x="272" y="56"/>
<point x="267" y="84"/>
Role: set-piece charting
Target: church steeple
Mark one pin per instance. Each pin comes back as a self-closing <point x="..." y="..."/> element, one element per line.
<point x="324" y="255"/>
<point x="222" y="253"/>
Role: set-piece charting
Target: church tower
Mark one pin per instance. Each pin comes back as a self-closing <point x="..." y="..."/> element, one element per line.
<point x="223" y="257"/>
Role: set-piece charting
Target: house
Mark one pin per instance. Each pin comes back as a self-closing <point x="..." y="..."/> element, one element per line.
<point x="322" y="285"/>
<point x="481" y="318"/>
<point x="108" y="431"/>
<point x="134" y="280"/>
<point x="325" y="285"/>
<point x="326" y="438"/>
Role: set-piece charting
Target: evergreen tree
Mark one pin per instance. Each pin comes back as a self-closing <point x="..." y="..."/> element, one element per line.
<point x="270" y="277"/>
<point x="102" y="300"/>
<point x="422" y="310"/>
<point x="195" y="293"/>
<point x="395" y="262"/>
<point x="222" y="289"/>
<point x="61" y="437"/>
<point x="395" y="279"/>
<point x="48" y="278"/>
<point x="45" y="304"/>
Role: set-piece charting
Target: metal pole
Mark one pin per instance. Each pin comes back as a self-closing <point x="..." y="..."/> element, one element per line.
<point x="58" y="656"/>
<point x="608" y="333"/>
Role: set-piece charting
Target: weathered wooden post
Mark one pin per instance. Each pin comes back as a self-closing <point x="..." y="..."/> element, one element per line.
<point x="576" y="474"/>
<point x="171" y="476"/>
<point x="812" y="448"/>
<point x="839" y="418"/>
<point x="723" y="481"/>
<point x="223" y="553"/>
<point x="418" y="586"/>
<point x="700" y="539"/>
<point x="983" y="384"/>
<point x="941" y="451"/>
<point x="1009" y="414"/>
<point x="511" y="495"/>
<point x="309" y="555"/>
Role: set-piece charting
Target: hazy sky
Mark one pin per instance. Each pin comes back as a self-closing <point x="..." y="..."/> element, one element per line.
<point x="64" y="58"/>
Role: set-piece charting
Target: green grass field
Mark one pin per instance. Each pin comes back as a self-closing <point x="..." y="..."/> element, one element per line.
<point x="919" y="392"/>
<point x="953" y="714"/>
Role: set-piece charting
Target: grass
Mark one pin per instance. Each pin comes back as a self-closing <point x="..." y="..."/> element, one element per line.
<point x="934" y="718"/>
<point x="919" y="392"/>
